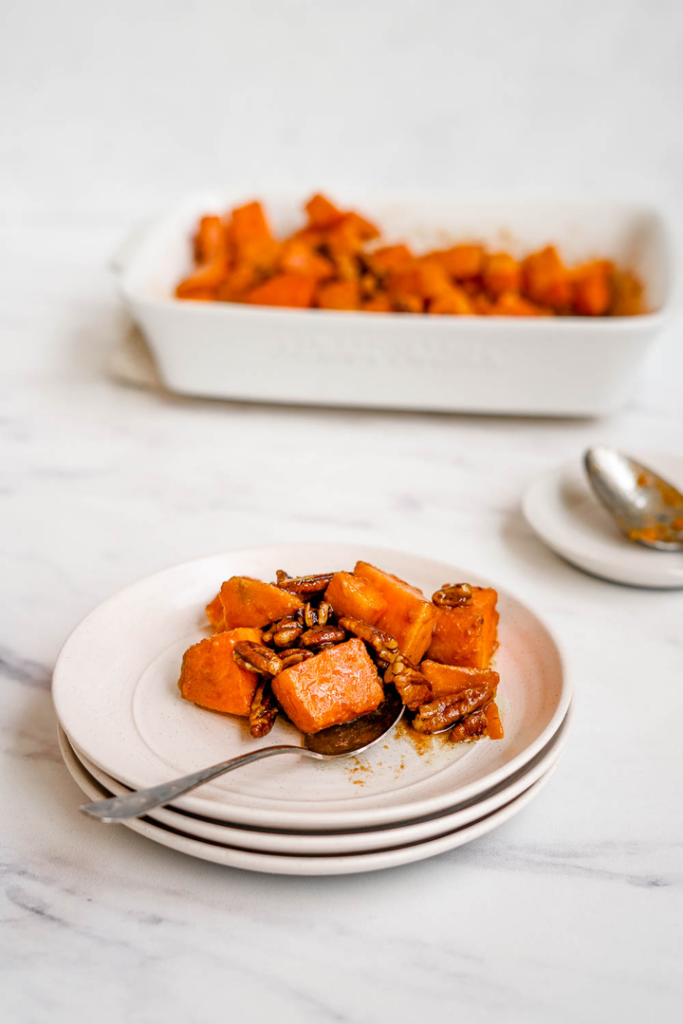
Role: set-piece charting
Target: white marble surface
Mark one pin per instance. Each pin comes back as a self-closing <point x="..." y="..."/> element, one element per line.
<point x="570" y="912"/>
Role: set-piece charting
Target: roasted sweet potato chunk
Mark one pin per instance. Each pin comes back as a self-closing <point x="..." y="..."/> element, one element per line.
<point x="454" y="301"/>
<point x="249" y="602"/>
<point x="335" y="686"/>
<point x="355" y="597"/>
<point x="463" y="261"/>
<point x="409" y="617"/>
<point x="295" y="290"/>
<point x="299" y="257"/>
<point x="322" y="213"/>
<point x="467" y="635"/>
<point x="546" y="279"/>
<point x="214" y="611"/>
<point x="210" y="677"/>
<point x="447" y="679"/>
<point x="338" y="295"/>
<point x="592" y="288"/>
<point x="495" y="726"/>
<point x="501" y="273"/>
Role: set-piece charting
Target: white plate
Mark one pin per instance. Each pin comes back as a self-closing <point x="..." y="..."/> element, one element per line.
<point x="351" y="842"/>
<point x="562" y="509"/>
<point x="115" y="693"/>
<point x="541" y="365"/>
<point x="286" y="864"/>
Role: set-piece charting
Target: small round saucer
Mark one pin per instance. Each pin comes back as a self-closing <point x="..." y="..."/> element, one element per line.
<point x="561" y="508"/>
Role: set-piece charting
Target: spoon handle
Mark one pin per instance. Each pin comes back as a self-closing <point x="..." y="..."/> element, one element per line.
<point x="132" y="805"/>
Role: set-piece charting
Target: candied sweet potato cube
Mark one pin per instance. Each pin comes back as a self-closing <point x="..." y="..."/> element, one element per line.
<point x="493" y="722"/>
<point x="379" y="303"/>
<point x="249" y="602"/>
<point x="295" y="290"/>
<point x="447" y="679"/>
<point x="299" y="257"/>
<point x="209" y="675"/>
<point x="389" y="257"/>
<point x="360" y="227"/>
<point x="355" y="597"/>
<point x="210" y="240"/>
<point x="338" y="295"/>
<point x="409" y="617"/>
<point x="333" y="687"/>
<point x="237" y="283"/>
<point x="514" y="304"/>
<point x="628" y="294"/>
<point x="501" y="273"/>
<point x="206" y="277"/>
<point x="462" y="261"/>
<point x="454" y="301"/>
<point x="425" y="277"/>
<point x="214" y="610"/>
<point x="546" y="280"/>
<point x="592" y="291"/>
<point x="467" y="634"/>
<point x="248" y="223"/>
<point x="322" y="213"/>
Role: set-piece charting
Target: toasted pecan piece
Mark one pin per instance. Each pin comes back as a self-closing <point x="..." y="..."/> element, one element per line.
<point x="264" y="710"/>
<point x="444" y="711"/>
<point x="284" y="633"/>
<point x="322" y="635"/>
<point x="304" y="585"/>
<point x="413" y="687"/>
<point x="294" y="656"/>
<point x="384" y="645"/>
<point x="257" y="658"/>
<point x="472" y="727"/>
<point x="452" y="595"/>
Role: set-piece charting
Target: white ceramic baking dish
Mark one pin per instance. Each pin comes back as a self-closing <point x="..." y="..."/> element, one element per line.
<point x="567" y="366"/>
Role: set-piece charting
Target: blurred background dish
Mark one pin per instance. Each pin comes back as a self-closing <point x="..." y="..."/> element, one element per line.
<point x="554" y="366"/>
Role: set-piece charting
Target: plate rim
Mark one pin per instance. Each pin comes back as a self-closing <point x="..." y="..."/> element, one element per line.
<point x="337" y="818"/>
<point x="333" y="864"/>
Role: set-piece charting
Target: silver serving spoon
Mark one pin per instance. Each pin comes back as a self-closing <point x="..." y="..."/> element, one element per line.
<point x="326" y="745"/>
<point x="647" y="508"/>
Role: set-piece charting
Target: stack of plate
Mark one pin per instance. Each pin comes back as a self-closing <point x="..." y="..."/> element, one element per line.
<point x="124" y="725"/>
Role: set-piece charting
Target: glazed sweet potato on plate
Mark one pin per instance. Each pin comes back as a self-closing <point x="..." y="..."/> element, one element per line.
<point x="322" y="649"/>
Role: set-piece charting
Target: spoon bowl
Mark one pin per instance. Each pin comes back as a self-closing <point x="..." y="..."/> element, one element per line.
<point x="647" y="508"/>
<point x="326" y="745"/>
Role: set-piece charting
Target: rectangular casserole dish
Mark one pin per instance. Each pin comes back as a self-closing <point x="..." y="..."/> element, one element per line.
<point x="550" y="366"/>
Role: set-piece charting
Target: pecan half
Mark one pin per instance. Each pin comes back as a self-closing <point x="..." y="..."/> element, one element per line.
<point x="452" y="595"/>
<point x="257" y="658"/>
<point x="319" y="635"/>
<point x="473" y="727"/>
<point x="316" y="616"/>
<point x="303" y="585"/>
<point x="294" y="656"/>
<point x="413" y="687"/>
<point x="264" y="710"/>
<point x="384" y="645"/>
<point x="445" y="711"/>
<point x="284" y="633"/>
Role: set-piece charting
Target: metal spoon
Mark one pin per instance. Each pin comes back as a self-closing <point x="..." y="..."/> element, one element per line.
<point x="647" y="508"/>
<point x="326" y="745"/>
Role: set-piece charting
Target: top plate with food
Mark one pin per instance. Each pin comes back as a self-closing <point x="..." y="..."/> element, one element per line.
<point x="116" y="694"/>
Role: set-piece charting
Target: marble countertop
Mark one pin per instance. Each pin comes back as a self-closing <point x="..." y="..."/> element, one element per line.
<point x="571" y="911"/>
